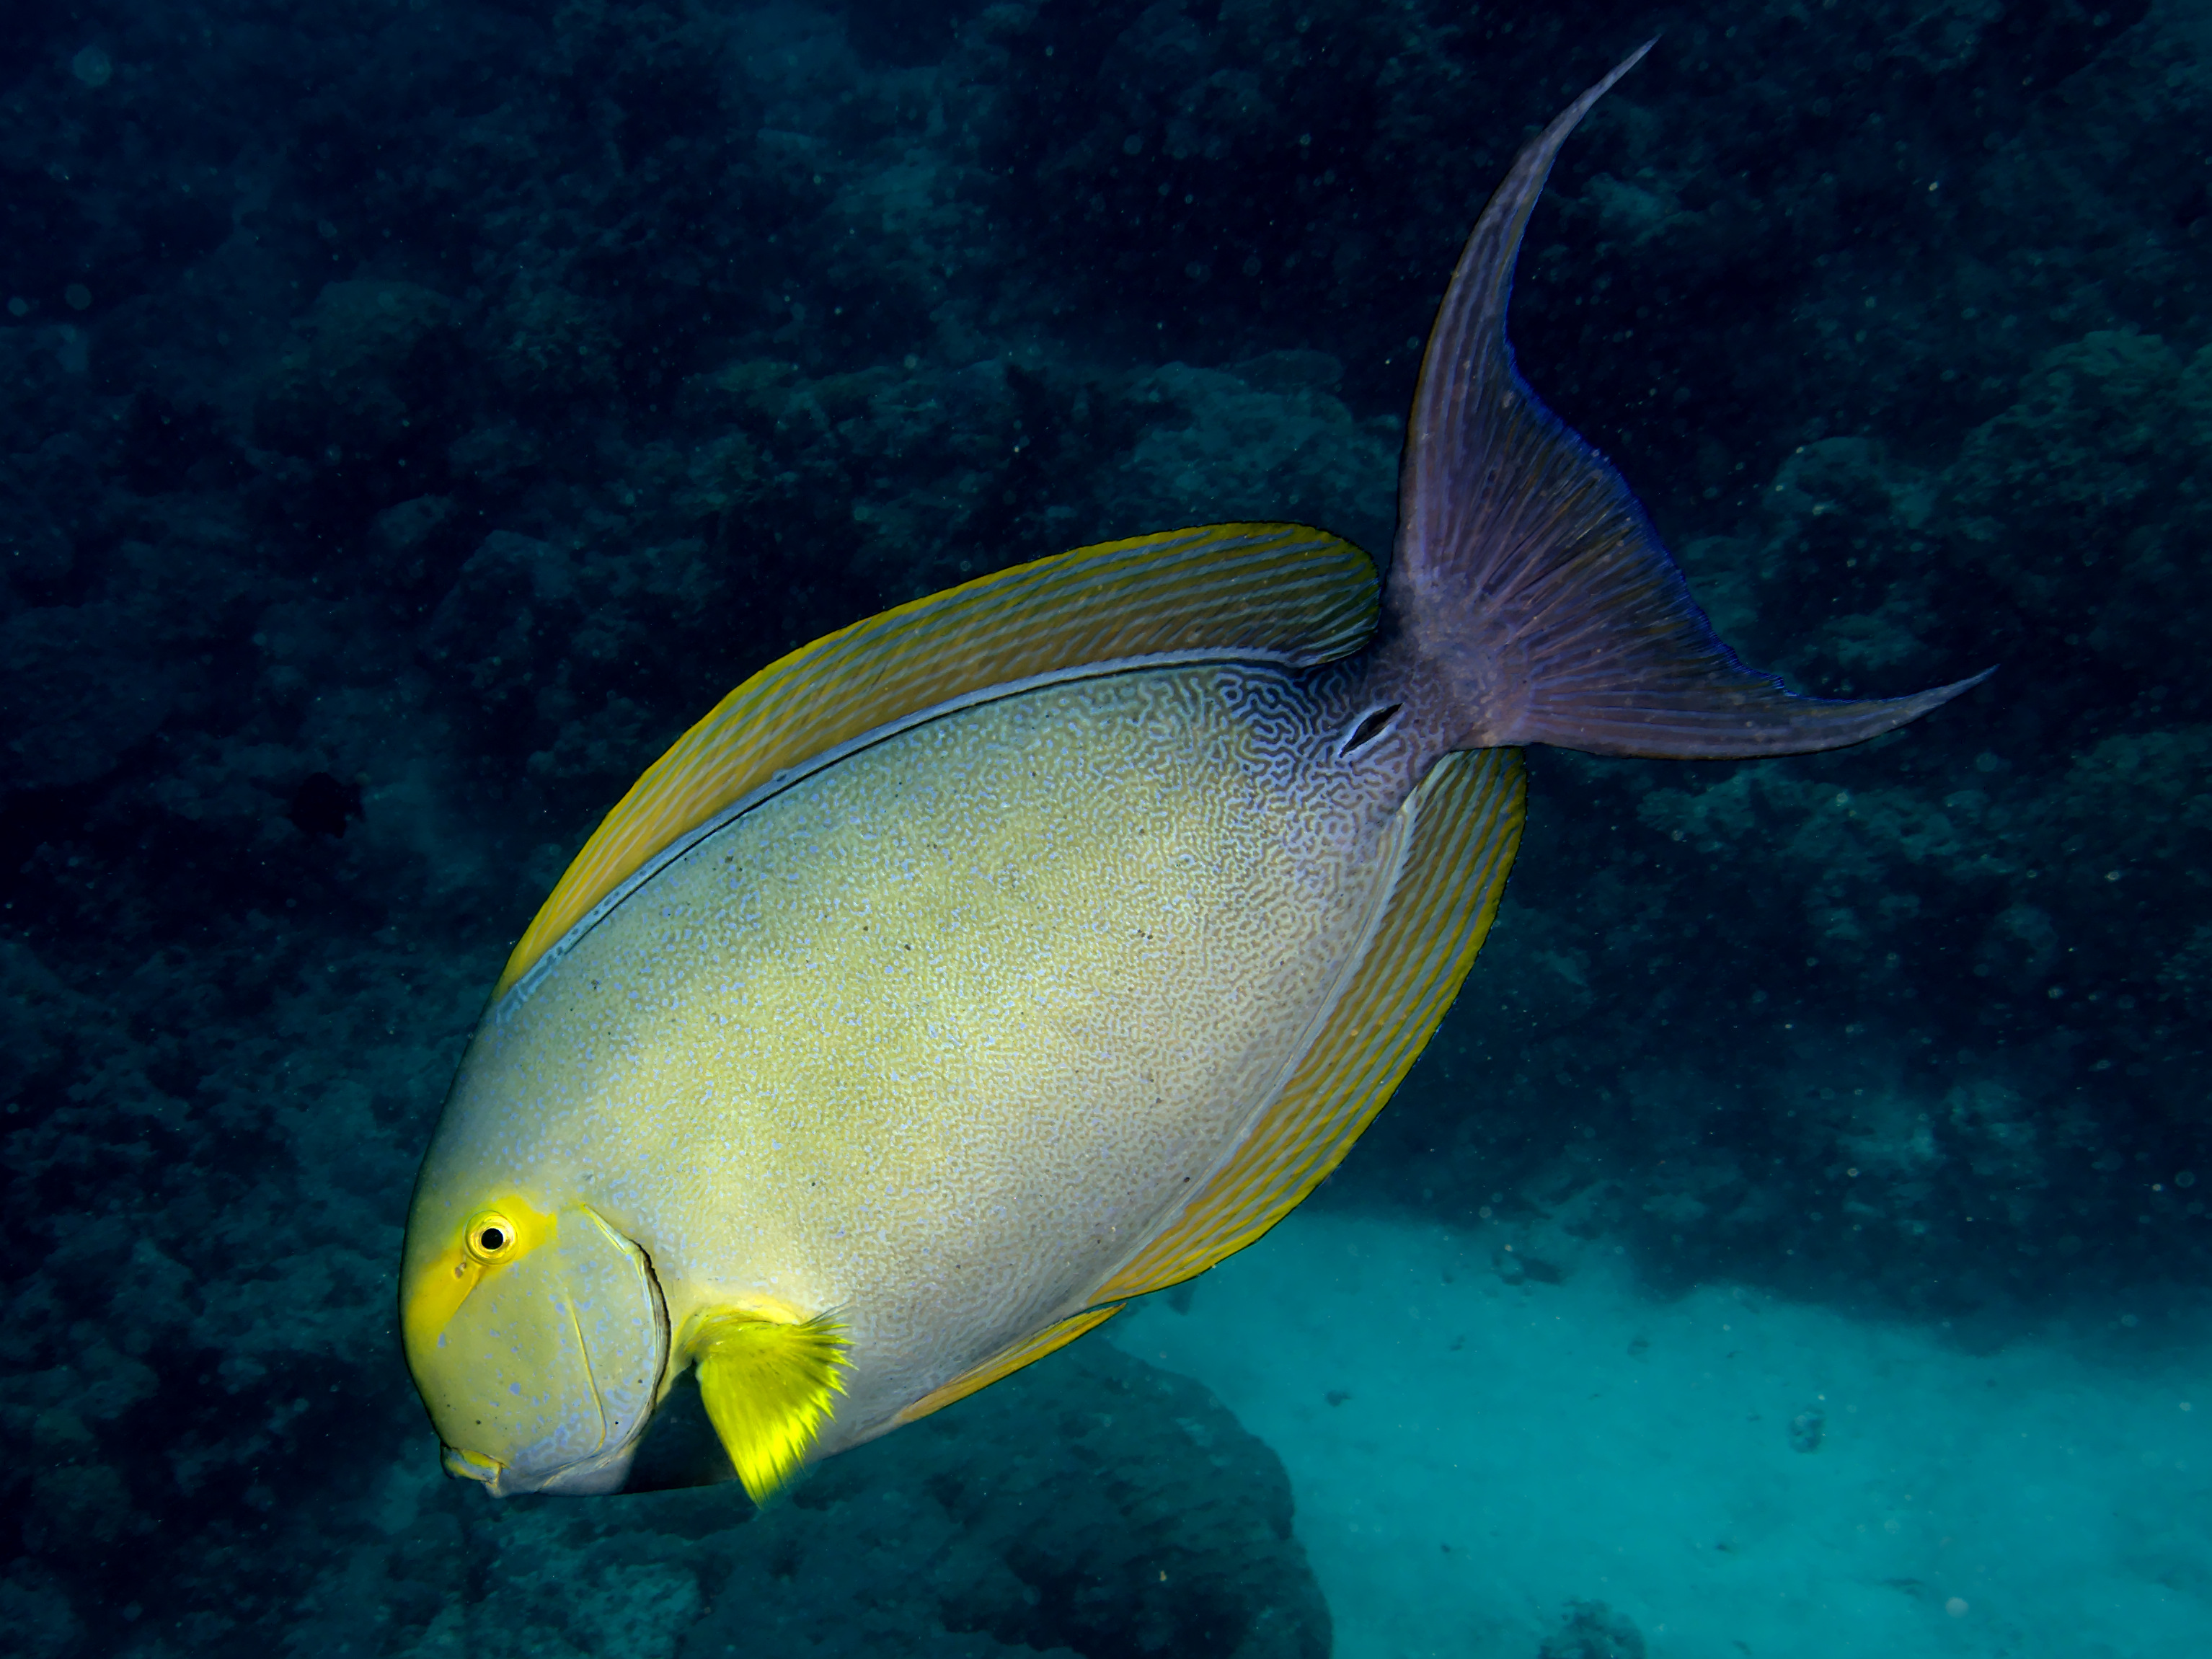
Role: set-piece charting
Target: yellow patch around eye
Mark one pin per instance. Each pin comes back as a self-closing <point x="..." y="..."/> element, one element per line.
<point x="494" y="1237"/>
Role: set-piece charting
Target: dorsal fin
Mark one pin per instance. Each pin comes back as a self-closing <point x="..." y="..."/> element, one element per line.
<point x="1469" y="825"/>
<point x="1272" y="592"/>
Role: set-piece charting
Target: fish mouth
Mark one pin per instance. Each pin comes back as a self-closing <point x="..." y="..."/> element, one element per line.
<point x="605" y="1471"/>
<point x="674" y="1449"/>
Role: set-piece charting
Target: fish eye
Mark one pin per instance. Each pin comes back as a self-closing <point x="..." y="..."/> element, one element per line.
<point x="491" y="1236"/>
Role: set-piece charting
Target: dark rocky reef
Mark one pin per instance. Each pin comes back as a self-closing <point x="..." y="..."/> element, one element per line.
<point x="1094" y="1507"/>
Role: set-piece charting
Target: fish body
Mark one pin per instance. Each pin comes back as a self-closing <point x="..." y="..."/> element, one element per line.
<point x="935" y="1036"/>
<point x="1036" y="945"/>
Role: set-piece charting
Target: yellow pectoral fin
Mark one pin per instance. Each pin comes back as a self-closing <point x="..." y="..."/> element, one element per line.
<point x="767" y="1387"/>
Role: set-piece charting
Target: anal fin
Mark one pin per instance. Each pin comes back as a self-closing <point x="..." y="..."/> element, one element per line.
<point x="1466" y="831"/>
<point x="1467" y="827"/>
<point x="1007" y="1361"/>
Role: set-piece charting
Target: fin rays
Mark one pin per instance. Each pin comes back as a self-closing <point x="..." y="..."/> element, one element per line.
<point x="768" y="1388"/>
<point x="1280" y="591"/>
<point x="1467" y="827"/>
<point x="1528" y="574"/>
<point x="1007" y="1361"/>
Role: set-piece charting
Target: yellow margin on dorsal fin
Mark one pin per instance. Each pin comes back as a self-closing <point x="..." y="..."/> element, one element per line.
<point x="1283" y="591"/>
<point x="1466" y="831"/>
<point x="767" y="1387"/>
<point x="1007" y="1361"/>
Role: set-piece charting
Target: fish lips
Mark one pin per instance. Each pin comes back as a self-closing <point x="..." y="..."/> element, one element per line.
<point x="674" y="1449"/>
<point x="606" y="1472"/>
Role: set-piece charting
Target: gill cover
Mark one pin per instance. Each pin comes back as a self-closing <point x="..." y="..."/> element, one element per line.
<point x="538" y="1342"/>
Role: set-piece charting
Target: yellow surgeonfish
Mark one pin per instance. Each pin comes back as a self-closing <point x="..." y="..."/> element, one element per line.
<point x="1036" y="944"/>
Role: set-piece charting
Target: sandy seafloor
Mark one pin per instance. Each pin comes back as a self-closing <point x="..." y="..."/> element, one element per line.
<point x="1471" y="1458"/>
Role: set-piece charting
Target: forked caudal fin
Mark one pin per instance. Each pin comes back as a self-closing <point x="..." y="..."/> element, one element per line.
<point x="1528" y="589"/>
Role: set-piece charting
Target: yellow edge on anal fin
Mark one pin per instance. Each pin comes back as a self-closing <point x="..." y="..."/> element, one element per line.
<point x="1467" y="830"/>
<point x="1007" y="1361"/>
<point x="1278" y="590"/>
<point x="767" y="1387"/>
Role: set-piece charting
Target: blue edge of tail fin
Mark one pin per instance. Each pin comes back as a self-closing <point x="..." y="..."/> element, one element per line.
<point x="1527" y="577"/>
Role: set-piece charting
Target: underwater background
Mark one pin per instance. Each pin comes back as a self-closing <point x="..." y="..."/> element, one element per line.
<point x="414" y="414"/>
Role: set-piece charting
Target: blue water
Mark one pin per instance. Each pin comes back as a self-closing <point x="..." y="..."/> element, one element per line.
<point x="413" y="416"/>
